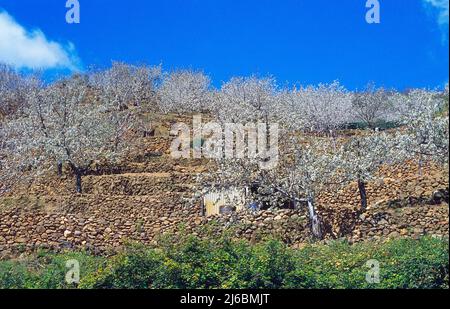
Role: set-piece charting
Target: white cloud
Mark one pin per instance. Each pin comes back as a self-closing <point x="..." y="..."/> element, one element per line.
<point x="442" y="8"/>
<point x="30" y="49"/>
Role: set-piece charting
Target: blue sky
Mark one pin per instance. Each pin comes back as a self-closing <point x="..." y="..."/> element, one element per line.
<point x="304" y="41"/>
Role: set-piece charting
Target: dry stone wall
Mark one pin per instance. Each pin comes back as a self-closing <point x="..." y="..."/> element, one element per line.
<point x="105" y="223"/>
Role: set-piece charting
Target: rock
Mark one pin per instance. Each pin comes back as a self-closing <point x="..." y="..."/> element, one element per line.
<point x="383" y="222"/>
<point x="394" y="234"/>
<point x="419" y="231"/>
<point x="67" y="233"/>
<point x="21" y="240"/>
<point x="439" y="196"/>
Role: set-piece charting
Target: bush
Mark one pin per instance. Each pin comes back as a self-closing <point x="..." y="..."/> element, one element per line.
<point x="44" y="270"/>
<point x="222" y="263"/>
<point x="404" y="263"/>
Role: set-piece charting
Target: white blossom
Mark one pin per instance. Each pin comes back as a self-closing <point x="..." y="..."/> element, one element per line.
<point x="60" y="125"/>
<point x="184" y="92"/>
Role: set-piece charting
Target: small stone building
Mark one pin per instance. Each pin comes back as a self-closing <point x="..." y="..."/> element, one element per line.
<point x="224" y="201"/>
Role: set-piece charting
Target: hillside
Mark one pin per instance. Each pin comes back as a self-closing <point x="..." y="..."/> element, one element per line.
<point x="150" y="194"/>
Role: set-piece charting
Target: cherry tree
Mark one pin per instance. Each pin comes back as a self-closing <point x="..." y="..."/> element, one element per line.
<point x="60" y="125"/>
<point x="324" y="108"/>
<point x="10" y="171"/>
<point x="291" y="110"/>
<point x="17" y="155"/>
<point x="362" y="156"/>
<point x="10" y="84"/>
<point x="306" y="167"/>
<point x="309" y="166"/>
<point x="426" y="134"/>
<point x="245" y="99"/>
<point x="184" y="92"/>
<point x="126" y="85"/>
<point x="445" y="98"/>
<point x="250" y="102"/>
<point x="244" y="106"/>
<point x="371" y="105"/>
<point x="13" y="89"/>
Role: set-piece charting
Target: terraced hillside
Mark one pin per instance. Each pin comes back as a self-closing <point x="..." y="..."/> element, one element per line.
<point x="151" y="194"/>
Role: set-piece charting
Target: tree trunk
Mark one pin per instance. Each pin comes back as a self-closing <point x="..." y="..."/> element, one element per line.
<point x="78" y="172"/>
<point x="78" y="181"/>
<point x="362" y="194"/>
<point x="60" y="169"/>
<point x="420" y="164"/>
<point x="267" y="131"/>
<point x="333" y="138"/>
<point x="315" y="223"/>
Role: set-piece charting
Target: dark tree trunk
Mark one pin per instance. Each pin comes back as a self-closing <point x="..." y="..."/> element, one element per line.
<point x="362" y="194"/>
<point x="267" y="131"/>
<point x="78" y="174"/>
<point x="60" y="169"/>
<point x="314" y="218"/>
<point x="78" y="181"/>
<point x="202" y="208"/>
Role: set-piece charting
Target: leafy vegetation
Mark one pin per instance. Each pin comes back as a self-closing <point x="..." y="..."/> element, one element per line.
<point x="223" y="263"/>
<point x="44" y="270"/>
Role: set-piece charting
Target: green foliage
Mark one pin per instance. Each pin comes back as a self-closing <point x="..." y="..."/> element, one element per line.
<point x="132" y="269"/>
<point x="189" y="262"/>
<point x="44" y="270"/>
<point x="380" y="124"/>
<point x="404" y="263"/>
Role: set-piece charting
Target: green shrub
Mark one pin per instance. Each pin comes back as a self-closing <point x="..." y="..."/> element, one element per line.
<point x="13" y="275"/>
<point x="190" y="262"/>
<point x="131" y="269"/>
<point x="44" y="270"/>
